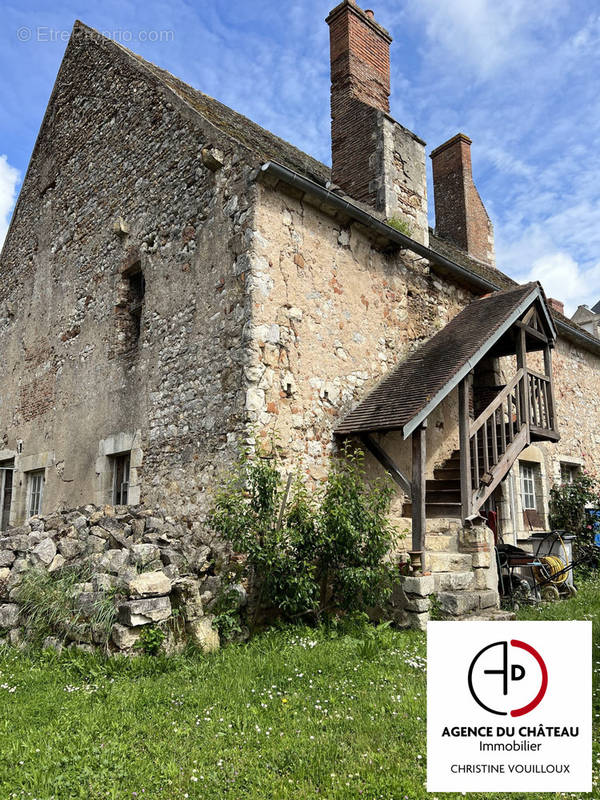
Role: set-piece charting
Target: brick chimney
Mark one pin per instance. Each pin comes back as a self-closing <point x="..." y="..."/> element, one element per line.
<point x="374" y="159"/>
<point x="460" y="216"/>
<point x="557" y="305"/>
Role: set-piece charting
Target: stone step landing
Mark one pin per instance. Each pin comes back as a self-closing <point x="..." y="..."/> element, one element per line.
<point x="458" y="604"/>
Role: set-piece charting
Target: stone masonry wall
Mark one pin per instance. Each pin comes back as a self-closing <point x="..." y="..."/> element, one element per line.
<point x="120" y="174"/>
<point x="331" y="315"/>
<point x="153" y="570"/>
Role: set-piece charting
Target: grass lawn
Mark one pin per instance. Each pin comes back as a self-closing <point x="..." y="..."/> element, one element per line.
<point x="295" y="714"/>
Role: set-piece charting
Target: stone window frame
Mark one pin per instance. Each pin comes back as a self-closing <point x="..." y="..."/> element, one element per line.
<point x="25" y="464"/>
<point x="528" y="481"/>
<point x="571" y="462"/>
<point x="113" y="445"/>
<point x="6" y="465"/>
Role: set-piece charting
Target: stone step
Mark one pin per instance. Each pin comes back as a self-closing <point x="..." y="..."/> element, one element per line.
<point x="493" y="615"/>
<point x="453" y="581"/>
<point x="459" y="603"/>
<point x="449" y="562"/>
<point x="441" y="543"/>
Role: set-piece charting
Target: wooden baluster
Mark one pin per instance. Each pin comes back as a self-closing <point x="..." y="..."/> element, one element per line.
<point x="503" y="427"/>
<point x="494" y="424"/>
<point x="476" y="460"/>
<point x="485" y="446"/>
<point x="548" y="371"/>
<point x="518" y="396"/>
<point x="510" y="406"/>
<point x="545" y="418"/>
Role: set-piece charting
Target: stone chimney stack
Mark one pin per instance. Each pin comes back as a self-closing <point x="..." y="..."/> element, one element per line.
<point x="460" y="216"/>
<point x="374" y="159"/>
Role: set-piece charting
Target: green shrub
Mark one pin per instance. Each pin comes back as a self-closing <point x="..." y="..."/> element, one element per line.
<point x="567" y="508"/>
<point x="151" y="639"/>
<point x="308" y="554"/>
<point x="400" y="225"/>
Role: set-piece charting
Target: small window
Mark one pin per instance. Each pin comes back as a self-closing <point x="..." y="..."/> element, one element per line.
<point x="136" y="292"/>
<point x="35" y="492"/>
<point x="568" y="472"/>
<point x="527" y="486"/>
<point x="6" y="485"/>
<point x="120" y="466"/>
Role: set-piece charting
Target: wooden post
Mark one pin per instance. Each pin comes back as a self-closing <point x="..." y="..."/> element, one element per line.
<point x="548" y="371"/>
<point x="524" y="392"/>
<point x="466" y="490"/>
<point x="418" y="489"/>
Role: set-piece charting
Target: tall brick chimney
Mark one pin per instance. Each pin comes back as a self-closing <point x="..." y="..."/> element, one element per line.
<point x="459" y="213"/>
<point x="374" y="159"/>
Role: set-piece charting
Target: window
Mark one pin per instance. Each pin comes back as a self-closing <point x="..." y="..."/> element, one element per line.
<point x="35" y="492"/>
<point x="568" y="472"/>
<point x="6" y="484"/>
<point x="527" y="486"/>
<point x="120" y="467"/>
<point x="136" y="292"/>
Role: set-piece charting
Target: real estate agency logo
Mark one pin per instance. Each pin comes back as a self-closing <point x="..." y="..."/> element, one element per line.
<point x="508" y="678"/>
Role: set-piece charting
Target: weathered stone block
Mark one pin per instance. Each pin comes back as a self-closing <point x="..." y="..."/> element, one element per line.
<point x="423" y="585"/>
<point x="70" y="548"/>
<point x="9" y="615"/>
<point x="488" y="599"/>
<point x="187" y="598"/>
<point x="418" y="604"/>
<point x="45" y="551"/>
<point x="149" y="584"/>
<point x="144" y="612"/>
<point x="124" y="637"/>
<point x="202" y="633"/>
<point x="57" y="563"/>
<point x="6" y="558"/>
<point x="457" y="603"/>
<point x="418" y="621"/>
<point x="482" y="558"/>
<point x="448" y="562"/>
<point x="143" y="554"/>
<point x="453" y="581"/>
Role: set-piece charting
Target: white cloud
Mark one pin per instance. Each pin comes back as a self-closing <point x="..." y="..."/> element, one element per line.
<point x="562" y="277"/>
<point x="485" y="35"/>
<point x="9" y="179"/>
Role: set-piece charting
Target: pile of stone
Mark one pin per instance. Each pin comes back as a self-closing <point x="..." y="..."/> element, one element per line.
<point x="158" y="571"/>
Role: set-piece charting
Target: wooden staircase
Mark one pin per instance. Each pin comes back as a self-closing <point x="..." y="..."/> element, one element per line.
<point x="442" y="494"/>
<point x="521" y="412"/>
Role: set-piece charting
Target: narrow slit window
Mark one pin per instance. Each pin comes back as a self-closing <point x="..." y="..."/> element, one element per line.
<point x="136" y="291"/>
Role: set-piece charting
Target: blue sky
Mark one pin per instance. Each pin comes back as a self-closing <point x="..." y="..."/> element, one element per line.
<point x="519" y="77"/>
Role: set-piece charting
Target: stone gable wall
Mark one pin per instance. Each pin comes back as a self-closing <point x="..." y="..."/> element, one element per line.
<point x="119" y="175"/>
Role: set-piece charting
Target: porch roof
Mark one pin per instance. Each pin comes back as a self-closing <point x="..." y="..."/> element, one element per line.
<point x="406" y="396"/>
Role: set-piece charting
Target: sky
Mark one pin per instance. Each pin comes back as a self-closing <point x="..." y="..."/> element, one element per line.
<point x="519" y="77"/>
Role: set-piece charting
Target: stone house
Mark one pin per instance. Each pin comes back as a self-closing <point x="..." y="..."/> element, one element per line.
<point x="176" y="280"/>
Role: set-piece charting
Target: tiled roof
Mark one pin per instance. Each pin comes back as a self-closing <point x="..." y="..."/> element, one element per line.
<point x="431" y="372"/>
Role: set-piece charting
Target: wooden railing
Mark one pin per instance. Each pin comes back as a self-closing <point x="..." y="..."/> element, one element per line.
<point x="540" y="401"/>
<point x="490" y="444"/>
